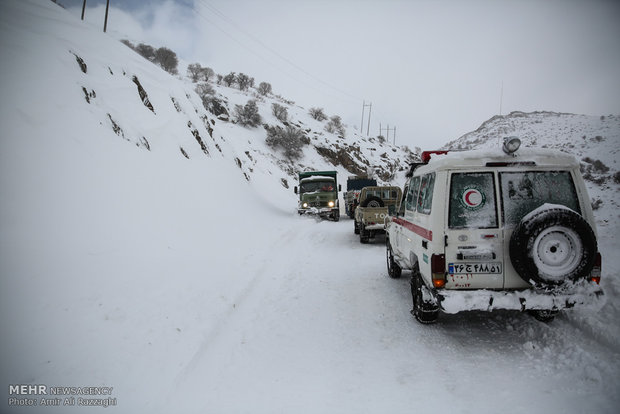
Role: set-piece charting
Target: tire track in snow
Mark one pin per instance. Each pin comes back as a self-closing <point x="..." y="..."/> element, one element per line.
<point x="239" y="301"/>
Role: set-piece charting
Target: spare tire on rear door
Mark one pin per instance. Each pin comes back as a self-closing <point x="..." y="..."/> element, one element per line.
<point x="553" y="245"/>
<point x="372" y="201"/>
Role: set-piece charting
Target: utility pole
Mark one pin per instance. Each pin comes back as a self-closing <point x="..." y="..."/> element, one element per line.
<point x="368" y="128"/>
<point x="364" y="105"/>
<point x="83" y="8"/>
<point x="501" y="98"/>
<point x="387" y="138"/>
<point x="105" y="23"/>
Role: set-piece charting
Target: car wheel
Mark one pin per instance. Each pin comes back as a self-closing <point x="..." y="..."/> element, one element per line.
<point x="356" y="228"/>
<point x="553" y="246"/>
<point x="394" y="270"/>
<point x="543" y="315"/>
<point x="424" y="311"/>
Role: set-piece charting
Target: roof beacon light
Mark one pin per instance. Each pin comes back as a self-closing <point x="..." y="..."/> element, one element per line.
<point x="511" y="144"/>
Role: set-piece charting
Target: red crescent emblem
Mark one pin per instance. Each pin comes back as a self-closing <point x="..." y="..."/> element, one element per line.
<point x="473" y="198"/>
<point x="467" y="195"/>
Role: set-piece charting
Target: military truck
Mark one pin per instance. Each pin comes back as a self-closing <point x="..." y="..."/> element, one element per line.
<point x="376" y="204"/>
<point x="355" y="184"/>
<point x="318" y="194"/>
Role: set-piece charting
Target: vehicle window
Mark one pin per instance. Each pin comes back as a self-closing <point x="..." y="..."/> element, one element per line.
<point x="316" y="186"/>
<point x="401" y="208"/>
<point x="472" y="201"/>
<point x="523" y="192"/>
<point x="425" y="199"/>
<point x="412" y="194"/>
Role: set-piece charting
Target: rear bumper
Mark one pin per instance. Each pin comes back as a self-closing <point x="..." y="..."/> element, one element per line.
<point x="375" y="227"/>
<point x="582" y="294"/>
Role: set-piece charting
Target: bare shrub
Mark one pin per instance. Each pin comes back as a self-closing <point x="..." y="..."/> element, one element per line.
<point x="318" y="114"/>
<point x="279" y="111"/>
<point x="264" y="88"/>
<point x="248" y="115"/>
<point x="290" y="139"/>
<point x="335" y="126"/>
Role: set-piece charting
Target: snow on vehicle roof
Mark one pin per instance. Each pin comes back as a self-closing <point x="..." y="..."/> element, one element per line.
<point x="480" y="158"/>
<point x="317" y="178"/>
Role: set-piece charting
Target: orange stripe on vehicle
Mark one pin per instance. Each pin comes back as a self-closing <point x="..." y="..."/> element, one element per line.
<point x="420" y="231"/>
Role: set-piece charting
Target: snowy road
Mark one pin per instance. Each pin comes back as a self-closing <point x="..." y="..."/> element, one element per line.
<point x="325" y="330"/>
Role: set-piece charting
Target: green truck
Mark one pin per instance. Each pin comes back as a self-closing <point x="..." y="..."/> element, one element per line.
<point x="318" y="194"/>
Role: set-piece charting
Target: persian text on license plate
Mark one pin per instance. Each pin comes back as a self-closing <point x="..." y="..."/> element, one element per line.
<point x="492" y="268"/>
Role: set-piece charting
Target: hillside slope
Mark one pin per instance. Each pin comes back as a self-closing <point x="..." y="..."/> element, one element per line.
<point x="593" y="140"/>
<point x="156" y="253"/>
<point x="108" y="86"/>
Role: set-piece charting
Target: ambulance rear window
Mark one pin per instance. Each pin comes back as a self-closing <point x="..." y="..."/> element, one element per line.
<point x="472" y="201"/>
<point x="525" y="191"/>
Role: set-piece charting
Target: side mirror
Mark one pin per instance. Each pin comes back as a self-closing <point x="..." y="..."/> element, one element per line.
<point x="339" y="187"/>
<point x="295" y="189"/>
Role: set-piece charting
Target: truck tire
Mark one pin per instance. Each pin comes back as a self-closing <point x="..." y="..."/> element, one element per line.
<point x="425" y="312"/>
<point x="372" y="201"/>
<point x="543" y="315"/>
<point x="553" y="246"/>
<point x="363" y="234"/>
<point x="394" y="270"/>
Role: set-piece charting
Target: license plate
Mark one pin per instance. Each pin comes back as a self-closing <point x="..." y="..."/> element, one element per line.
<point x="462" y="268"/>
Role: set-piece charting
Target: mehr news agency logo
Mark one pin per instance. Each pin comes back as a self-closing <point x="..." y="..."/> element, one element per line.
<point x="28" y="395"/>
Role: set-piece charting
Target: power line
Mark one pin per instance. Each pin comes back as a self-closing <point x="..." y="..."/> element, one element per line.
<point x="289" y="62"/>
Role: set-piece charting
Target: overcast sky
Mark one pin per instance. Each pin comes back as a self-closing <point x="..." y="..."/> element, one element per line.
<point x="433" y="69"/>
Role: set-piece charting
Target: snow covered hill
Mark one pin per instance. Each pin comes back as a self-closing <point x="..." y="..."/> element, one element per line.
<point x="593" y="140"/>
<point x="152" y="251"/>
<point x="110" y="87"/>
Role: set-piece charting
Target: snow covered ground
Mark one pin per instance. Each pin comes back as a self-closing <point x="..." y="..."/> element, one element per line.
<point x="188" y="288"/>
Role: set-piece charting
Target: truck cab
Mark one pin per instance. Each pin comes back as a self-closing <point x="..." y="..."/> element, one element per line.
<point x="318" y="194"/>
<point x="352" y="195"/>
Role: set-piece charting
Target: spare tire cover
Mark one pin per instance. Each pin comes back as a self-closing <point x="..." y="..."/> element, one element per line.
<point x="553" y="245"/>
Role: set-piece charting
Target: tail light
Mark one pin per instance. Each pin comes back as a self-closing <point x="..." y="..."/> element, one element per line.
<point x="595" y="274"/>
<point x="438" y="270"/>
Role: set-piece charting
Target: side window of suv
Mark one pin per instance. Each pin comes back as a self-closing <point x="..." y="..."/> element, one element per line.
<point x="412" y="194"/>
<point x="425" y="199"/>
<point x="472" y="201"/>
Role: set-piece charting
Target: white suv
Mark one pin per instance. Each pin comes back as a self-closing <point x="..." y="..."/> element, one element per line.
<point x="484" y="230"/>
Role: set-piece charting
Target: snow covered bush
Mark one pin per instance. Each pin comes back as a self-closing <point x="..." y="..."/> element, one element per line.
<point x="290" y="139"/>
<point x="264" y="88"/>
<point x="318" y="114"/>
<point x="248" y="115"/>
<point x="146" y="51"/>
<point x="244" y="81"/>
<point x="167" y="59"/>
<point x="193" y="71"/>
<point x="206" y="93"/>
<point x="230" y="79"/>
<point x="335" y="126"/>
<point x="196" y="72"/>
<point x="279" y="111"/>
<point x="207" y="74"/>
